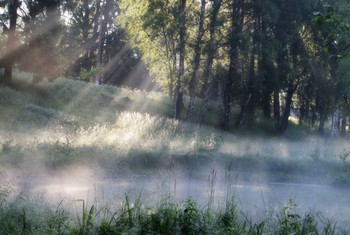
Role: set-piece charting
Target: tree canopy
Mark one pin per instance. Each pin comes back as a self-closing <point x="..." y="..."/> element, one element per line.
<point x="277" y="59"/>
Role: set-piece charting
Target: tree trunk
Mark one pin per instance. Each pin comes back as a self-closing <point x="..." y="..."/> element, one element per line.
<point x="231" y="80"/>
<point x="101" y="37"/>
<point x="321" y="125"/>
<point x="276" y="109"/>
<point x="335" y="117"/>
<point x="285" y="117"/>
<point x="253" y="83"/>
<point x="91" y="44"/>
<point x="209" y="63"/>
<point x="196" y="62"/>
<point x="178" y="99"/>
<point x="11" y="41"/>
<point x="335" y="122"/>
<point x="343" y="125"/>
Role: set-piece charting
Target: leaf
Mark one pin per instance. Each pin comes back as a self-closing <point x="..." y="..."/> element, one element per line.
<point x="326" y="49"/>
<point x="319" y="20"/>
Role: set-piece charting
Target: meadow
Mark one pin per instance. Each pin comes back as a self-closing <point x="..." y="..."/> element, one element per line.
<point x="79" y="131"/>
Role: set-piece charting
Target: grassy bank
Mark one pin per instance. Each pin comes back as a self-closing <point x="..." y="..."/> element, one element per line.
<point x="119" y="133"/>
<point x="124" y="132"/>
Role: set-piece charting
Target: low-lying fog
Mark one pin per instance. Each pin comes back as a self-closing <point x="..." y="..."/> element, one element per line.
<point x="254" y="199"/>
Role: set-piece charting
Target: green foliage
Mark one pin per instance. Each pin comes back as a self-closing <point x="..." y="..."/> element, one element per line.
<point x="20" y="215"/>
<point x="293" y="223"/>
<point x="90" y="75"/>
<point x="58" y="153"/>
<point x="130" y="142"/>
<point x="94" y="125"/>
<point x="191" y="218"/>
<point x="85" y="223"/>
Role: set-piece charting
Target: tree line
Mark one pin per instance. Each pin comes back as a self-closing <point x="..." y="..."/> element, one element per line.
<point x="274" y="58"/>
<point x="77" y="39"/>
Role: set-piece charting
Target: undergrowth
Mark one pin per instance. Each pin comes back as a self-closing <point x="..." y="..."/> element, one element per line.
<point x="122" y="132"/>
<point x="21" y="215"/>
<point x="127" y="132"/>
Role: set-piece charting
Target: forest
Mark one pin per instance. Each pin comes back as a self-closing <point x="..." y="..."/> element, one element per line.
<point x="268" y="59"/>
<point x="174" y="117"/>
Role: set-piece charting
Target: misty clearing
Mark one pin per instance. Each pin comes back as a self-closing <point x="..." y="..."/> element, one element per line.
<point x="174" y="117"/>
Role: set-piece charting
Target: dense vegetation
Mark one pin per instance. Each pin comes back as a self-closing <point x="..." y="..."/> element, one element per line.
<point x="120" y="133"/>
<point x="21" y="215"/>
<point x="253" y="90"/>
<point x="279" y="58"/>
<point x="130" y="132"/>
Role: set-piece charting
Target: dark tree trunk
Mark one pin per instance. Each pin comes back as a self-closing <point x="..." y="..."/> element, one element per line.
<point x="11" y="41"/>
<point x="100" y="46"/>
<point x="91" y="45"/>
<point x="178" y="98"/>
<point x="343" y="125"/>
<point x="276" y="109"/>
<point x="209" y="63"/>
<point x="196" y="62"/>
<point x="321" y="125"/>
<point x="267" y="91"/>
<point x="286" y="113"/>
<point x="335" y="117"/>
<point x="232" y="77"/>
<point x="253" y="83"/>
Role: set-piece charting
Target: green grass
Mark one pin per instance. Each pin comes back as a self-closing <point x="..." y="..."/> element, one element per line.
<point x="123" y="133"/>
<point x="144" y="215"/>
<point x="129" y="132"/>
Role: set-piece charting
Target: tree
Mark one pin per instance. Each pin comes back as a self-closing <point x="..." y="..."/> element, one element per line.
<point x="178" y="94"/>
<point x="230" y="84"/>
<point x="158" y="30"/>
<point x="336" y="45"/>
<point x="43" y="28"/>
<point x="196" y="61"/>
<point x="207" y="75"/>
<point x="11" y="45"/>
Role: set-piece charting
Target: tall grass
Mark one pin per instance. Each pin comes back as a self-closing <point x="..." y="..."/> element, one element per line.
<point x="121" y="133"/>
<point x="126" y="132"/>
<point x="143" y="215"/>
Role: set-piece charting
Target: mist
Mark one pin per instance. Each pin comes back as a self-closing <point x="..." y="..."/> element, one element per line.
<point x="253" y="189"/>
<point x="124" y="148"/>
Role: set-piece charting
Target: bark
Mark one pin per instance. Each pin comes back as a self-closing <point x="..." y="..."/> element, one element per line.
<point x="196" y="62"/>
<point x="276" y="108"/>
<point x="249" y="103"/>
<point x="335" y="122"/>
<point x="343" y="125"/>
<point x="253" y="83"/>
<point x="232" y="77"/>
<point x="279" y="79"/>
<point x="101" y="38"/>
<point x="241" y="115"/>
<point x="85" y="34"/>
<point x="322" y="124"/>
<point x="91" y="45"/>
<point x="267" y="91"/>
<point x="178" y="98"/>
<point x="285" y="117"/>
<point x="335" y="117"/>
<point x="209" y="63"/>
<point x="11" y="44"/>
